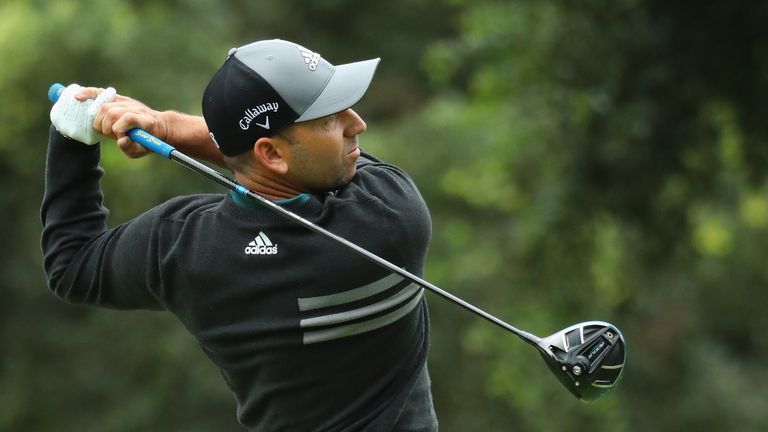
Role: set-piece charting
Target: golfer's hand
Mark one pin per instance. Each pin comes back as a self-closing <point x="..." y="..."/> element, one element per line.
<point x="115" y="119"/>
<point x="73" y="117"/>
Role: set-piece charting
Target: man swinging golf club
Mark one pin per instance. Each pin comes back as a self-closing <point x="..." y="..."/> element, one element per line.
<point x="308" y="336"/>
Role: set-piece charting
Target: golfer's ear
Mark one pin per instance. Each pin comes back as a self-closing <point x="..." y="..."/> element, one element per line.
<point x="272" y="154"/>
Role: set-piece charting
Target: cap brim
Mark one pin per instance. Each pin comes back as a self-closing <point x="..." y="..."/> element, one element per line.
<point x="346" y="87"/>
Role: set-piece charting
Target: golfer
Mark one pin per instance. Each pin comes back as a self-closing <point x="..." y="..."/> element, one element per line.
<point x="308" y="335"/>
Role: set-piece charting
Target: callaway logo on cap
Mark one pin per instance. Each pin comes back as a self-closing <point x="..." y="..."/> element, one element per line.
<point x="268" y="85"/>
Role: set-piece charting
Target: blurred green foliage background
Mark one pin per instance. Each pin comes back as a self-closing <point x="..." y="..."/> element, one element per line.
<point x="582" y="160"/>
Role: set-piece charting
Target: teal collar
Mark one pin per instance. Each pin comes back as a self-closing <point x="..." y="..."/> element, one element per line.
<point x="248" y="202"/>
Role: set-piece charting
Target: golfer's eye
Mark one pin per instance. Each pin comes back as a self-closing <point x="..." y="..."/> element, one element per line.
<point x="329" y="120"/>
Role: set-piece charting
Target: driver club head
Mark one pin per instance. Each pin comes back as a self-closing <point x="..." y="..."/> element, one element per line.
<point x="587" y="358"/>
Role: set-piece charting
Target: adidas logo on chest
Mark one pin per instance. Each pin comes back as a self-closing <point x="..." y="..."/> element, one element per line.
<point x="261" y="245"/>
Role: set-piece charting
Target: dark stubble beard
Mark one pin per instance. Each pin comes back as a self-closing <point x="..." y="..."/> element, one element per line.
<point x="333" y="186"/>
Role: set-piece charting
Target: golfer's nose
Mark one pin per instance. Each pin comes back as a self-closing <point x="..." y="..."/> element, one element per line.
<point x="355" y="125"/>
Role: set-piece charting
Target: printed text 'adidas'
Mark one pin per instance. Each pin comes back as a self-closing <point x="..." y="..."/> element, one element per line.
<point x="261" y="245"/>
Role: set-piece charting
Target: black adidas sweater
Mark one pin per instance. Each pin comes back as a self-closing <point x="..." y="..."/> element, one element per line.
<point x="309" y="336"/>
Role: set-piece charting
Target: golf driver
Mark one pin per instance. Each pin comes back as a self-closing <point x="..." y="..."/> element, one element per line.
<point x="587" y="358"/>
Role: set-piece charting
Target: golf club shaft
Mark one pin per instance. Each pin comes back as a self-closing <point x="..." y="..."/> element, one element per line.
<point x="166" y="150"/>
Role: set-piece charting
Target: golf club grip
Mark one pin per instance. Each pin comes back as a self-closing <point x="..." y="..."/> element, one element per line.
<point x="140" y="136"/>
<point x="166" y="150"/>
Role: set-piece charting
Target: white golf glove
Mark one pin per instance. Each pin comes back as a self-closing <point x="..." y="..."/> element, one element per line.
<point x="74" y="119"/>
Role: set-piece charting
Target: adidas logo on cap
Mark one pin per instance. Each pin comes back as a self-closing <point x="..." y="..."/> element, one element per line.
<point x="310" y="58"/>
<point x="261" y="245"/>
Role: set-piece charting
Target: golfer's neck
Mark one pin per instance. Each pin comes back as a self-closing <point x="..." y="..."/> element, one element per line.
<point x="268" y="188"/>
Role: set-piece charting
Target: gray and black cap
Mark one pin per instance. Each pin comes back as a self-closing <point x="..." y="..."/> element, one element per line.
<point x="266" y="86"/>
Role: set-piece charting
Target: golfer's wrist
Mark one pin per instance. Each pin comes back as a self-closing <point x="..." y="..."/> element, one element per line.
<point x="167" y="125"/>
<point x="177" y="128"/>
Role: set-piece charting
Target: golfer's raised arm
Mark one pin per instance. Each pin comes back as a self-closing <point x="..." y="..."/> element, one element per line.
<point x="84" y="261"/>
<point x="186" y="132"/>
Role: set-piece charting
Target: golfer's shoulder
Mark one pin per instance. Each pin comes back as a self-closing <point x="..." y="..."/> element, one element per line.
<point x="391" y="189"/>
<point x="187" y="208"/>
<point x="379" y="176"/>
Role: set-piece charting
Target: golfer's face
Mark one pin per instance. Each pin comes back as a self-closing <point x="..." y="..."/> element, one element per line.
<point x="324" y="151"/>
